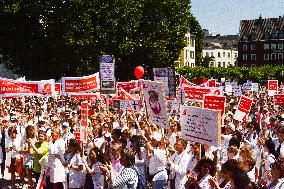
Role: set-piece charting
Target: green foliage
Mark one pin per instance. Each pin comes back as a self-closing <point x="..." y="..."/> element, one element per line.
<point x="50" y="39"/>
<point x="255" y="74"/>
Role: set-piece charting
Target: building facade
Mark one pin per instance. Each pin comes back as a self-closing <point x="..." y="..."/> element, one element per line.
<point x="187" y="57"/>
<point x="220" y="51"/>
<point x="219" y="57"/>
<point x="261" y="42"/>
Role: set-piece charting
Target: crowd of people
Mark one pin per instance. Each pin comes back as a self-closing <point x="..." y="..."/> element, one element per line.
<point x="124" y="150"/>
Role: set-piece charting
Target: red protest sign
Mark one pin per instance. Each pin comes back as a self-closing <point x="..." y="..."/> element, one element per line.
<point x="57" y="89"/>
<point x="215" y="102"/>
<point x="272" y="87"/>
<point x="243" y="108"/>
<point x="279" y="99"/>
<point x="84" y="114"/>
<point x="77" y="136"/>
<point x="212" y="83"/>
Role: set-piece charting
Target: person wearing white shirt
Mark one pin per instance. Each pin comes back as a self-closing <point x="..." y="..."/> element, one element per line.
<point x="178" y="164"/>
<point x="203" y="172"/>
<point x="13" y="146"/>
<point x="56" y="160"/>
<point x="157" y="160"/>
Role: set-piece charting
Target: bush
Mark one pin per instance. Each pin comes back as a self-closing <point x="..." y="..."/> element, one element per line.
<point x="255" y="74"/>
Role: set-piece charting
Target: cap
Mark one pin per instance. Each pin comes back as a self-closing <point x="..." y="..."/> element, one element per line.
<point x="65" y="124"/>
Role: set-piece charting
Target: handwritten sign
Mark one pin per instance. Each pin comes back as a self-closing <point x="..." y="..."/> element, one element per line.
<point x="200" y="125"/>
<point x="215" y="102"/>
<point x="243" y="108"/>
<point x="272" y="87"/>
<point x="155" y="103"/>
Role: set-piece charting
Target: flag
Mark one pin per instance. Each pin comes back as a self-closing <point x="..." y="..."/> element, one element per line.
<point x="185" y="82"/>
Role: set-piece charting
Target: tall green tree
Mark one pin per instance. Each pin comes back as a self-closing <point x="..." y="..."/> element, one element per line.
<point x="50" y="39"/>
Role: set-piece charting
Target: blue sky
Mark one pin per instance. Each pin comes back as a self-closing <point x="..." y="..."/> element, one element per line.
<point x="223" y="16"/>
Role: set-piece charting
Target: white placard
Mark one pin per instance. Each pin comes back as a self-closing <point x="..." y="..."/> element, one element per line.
<point x="255" y="87"/>
<point x="238" y="91"/>
<point x="200" y="125"/>
<point x="155" y="103"/>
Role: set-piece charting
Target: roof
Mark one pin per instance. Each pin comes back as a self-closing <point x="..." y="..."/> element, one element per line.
<point x="261" y="29"/>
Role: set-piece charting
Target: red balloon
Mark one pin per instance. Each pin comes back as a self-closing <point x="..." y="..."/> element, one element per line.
<point x="139" y="72"/>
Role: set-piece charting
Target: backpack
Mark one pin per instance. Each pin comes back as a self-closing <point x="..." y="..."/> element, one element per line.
<point x="140" y="184"/>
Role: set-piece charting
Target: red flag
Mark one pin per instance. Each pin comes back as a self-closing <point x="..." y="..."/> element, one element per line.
<point x="185" y="82"/>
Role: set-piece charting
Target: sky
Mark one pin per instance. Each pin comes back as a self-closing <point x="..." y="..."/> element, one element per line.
<point x="224" y="16"/>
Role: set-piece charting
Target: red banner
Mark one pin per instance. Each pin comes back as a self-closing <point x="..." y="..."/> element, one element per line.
<point x="197" y="93"/>
<point x="279" y="99"/>
<point x="80" y="84"/>
<point x="129" y="86"/>
<point x="215" y="102"/>
<point x="212" y="83"/>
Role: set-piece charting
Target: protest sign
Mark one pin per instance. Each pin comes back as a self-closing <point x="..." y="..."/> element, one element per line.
<point x="167" y="77"/>
<point x="279" y="99"/>
<point x="107" y="74"/>
<point x="130" y="86"/>
<point x="272" y="87"/>
<point x="57" y="88"/>
<point x="172" y="104"/>
<point x="255" y="87"/>
<point x="238" y="91"/>
<point x="200" y="125"/>
<point x="212" y="83"/>
<point x="155" y="103"/>
<point x="228" y="88"/>
<point x="80" y="84"/>
<point x="243" y="108"/>
<point x="181" y="96"/>
<point x="215" y="102"/>
<point x="84" y="121"/>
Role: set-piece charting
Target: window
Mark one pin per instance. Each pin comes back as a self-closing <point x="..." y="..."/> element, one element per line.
<point x="212" y="54"/>
<point x="245" y="57"/>
<point x="192" y="54"/>
<point x="219" y="55"/>
<point x="253" y="37"/>
<point x="281" y="35"/>
<point x="252" y="47"/>
<point x="266" y="46"/>
<point x="253" y="57"/>
<point x="192" y="64"/>
<point x="280" y="56"/>
<point x="207" y="54"/>
<point x="219" y="64"/>
<point x="245" y="47"/>
<point x="280" y="46"/>
<point x="224" y="54"/>
<point x="229" y="55"/>
<point x="245" y="37"/>
<point x="273" y="46"/>
<point x="266" y="56"/>
<point x="274" y="36"/>
<point x="187" y="41"/>
<point x="185" y="54"/>
<point x="273" y="56"/>
<point x="224" y="64"/>
<point x="192" y="42"/>
<point x="266" y="36"/>
<point x="236" y="55"/>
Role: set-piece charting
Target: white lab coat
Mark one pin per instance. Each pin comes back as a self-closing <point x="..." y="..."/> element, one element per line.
<point x="179" y="168"/>
<point x="56" y="160"/>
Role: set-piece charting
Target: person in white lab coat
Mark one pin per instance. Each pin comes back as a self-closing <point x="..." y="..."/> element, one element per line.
<point x="56" y="160"/>
<point x="178" y="164"/>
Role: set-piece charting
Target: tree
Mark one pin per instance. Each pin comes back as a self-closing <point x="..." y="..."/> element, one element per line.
<point x="45" y="39"/>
